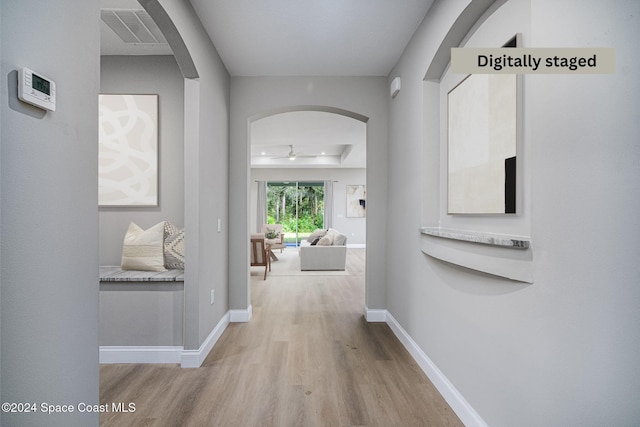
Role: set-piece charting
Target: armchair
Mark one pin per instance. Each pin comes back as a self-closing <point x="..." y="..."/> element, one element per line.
<point x="276" y="242"/>
<point x="259" y="253"/>
<point x="273" y="230"/>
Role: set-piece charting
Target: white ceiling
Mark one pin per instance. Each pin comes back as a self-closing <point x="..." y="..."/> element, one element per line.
<point x="335" y="140"/>
<point x="310" y="37"/>
<point x="299" y="38"/>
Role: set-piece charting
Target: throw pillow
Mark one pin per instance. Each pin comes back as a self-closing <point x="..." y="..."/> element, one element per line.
<point x="169" y="229"/>
<point x="325" y="241"/>
<point x="271" y="233"/>
<point x="339" y="239"/>
<point x="143" y="249"/>
<point x="316" y="234"/>
<point x="173" y="247"/>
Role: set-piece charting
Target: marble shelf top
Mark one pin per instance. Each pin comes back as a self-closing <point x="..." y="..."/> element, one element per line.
<point x="514" y="242"/>
<point x="116" y="274"/>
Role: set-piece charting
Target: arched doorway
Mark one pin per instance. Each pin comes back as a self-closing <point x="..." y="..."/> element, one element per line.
<point x="311" y="144"/>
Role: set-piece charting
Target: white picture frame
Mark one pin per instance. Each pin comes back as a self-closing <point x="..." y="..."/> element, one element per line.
<point x="128" y="150"/>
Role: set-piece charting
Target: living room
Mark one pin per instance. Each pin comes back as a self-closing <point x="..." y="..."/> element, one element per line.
<point x="309" y="149"/>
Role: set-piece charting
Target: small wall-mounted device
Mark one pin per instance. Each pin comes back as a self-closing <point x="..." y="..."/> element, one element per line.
<point x="36" y="89"/>
<point x="395" y="87"/>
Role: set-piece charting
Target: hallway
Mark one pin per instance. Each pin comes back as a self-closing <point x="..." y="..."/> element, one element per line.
<point x="307" y="357"/>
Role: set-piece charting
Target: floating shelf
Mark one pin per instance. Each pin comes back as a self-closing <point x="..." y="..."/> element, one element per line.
<point x="497" y="254"/>
<point x="484" y="238"/>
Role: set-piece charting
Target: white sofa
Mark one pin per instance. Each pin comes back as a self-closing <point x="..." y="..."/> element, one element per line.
<point x="322" y="256"/>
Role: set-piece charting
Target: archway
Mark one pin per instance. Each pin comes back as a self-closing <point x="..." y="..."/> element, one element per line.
<point x="324" y="166"/>
<point x="164" y="19"/>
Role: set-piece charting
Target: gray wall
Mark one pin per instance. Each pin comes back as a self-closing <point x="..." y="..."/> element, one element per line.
<point x="148" y="75"/>
<point x="2" y="101"/>
<point x="354" y="228"/>
<point x="49" y="217"/>
<point x="256" y="96"/>
<point x="564" y="350"/>
<point x="141" y="314"/>
<point x="206" y="152"/>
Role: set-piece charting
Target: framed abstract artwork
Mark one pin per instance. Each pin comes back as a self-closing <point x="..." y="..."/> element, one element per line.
<point x="356" y="201"/>
<point x="128" y="150"/>
<point x="482" y="116"/>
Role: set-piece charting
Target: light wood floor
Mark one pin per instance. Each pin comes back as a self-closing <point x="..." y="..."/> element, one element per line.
<point x="306" y="358"/>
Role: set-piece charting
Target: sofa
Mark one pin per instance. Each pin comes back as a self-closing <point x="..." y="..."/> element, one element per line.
<point x="324" y="250"/>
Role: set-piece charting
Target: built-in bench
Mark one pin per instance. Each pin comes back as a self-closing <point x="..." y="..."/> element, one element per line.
<point x="116" y="274"/>
<point x="142" y="318"/>
<point x="141" y="315"/>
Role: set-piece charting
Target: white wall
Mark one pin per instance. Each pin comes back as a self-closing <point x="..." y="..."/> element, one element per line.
<point x="563" y="350"/>
<point x="48" y="211"/>
<point x="354" y="228"/>
<point x="148" y="75"/>
<point x="253" y="97"/>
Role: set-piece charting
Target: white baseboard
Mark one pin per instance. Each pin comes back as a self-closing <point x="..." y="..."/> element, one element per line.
<point x="145" y="354"/>
<point x="241" y="316"/>
<point x="194" y="358"/>
<point x="462" y="408"/>
<point x="164" y="354"/>
<point x="375" y="315"/>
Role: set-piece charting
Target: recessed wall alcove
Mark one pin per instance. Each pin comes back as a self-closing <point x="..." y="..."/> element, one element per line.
<point x="469" y="240"/>
<point x="204" y="136"/>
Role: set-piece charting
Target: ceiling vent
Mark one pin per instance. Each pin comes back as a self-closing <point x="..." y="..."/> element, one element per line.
<point x="133" y="26"/>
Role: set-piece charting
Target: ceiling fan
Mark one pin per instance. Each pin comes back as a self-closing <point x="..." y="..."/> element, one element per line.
<point x="292" y="155"/>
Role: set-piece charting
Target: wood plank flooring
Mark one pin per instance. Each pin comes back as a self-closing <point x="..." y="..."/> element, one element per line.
<point x="307" y="358"/>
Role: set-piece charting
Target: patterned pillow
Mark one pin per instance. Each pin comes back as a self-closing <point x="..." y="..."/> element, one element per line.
<point x="271" y="234"/>
<point x="173" y="247"/>
<point x="169" y="229"/>
<point x="143" y="249"/>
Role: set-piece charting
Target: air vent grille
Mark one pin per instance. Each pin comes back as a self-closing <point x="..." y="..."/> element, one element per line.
<point x="133" y="26"/>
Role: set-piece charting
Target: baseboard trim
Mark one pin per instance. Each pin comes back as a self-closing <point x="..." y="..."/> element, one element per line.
<point x="194" y="358"/>
<point x="374" y="315"/>
<point x="459" y="405"/>
<point x="241" y="316"/>
<point x="136" y="354"/>
<point x="164" y="354"/>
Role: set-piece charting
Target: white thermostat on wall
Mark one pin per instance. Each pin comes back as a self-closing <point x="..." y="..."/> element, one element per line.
<point x="36" y="89"/>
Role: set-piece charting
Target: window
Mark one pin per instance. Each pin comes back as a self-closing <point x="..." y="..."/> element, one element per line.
<point x="298" y="206"/>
